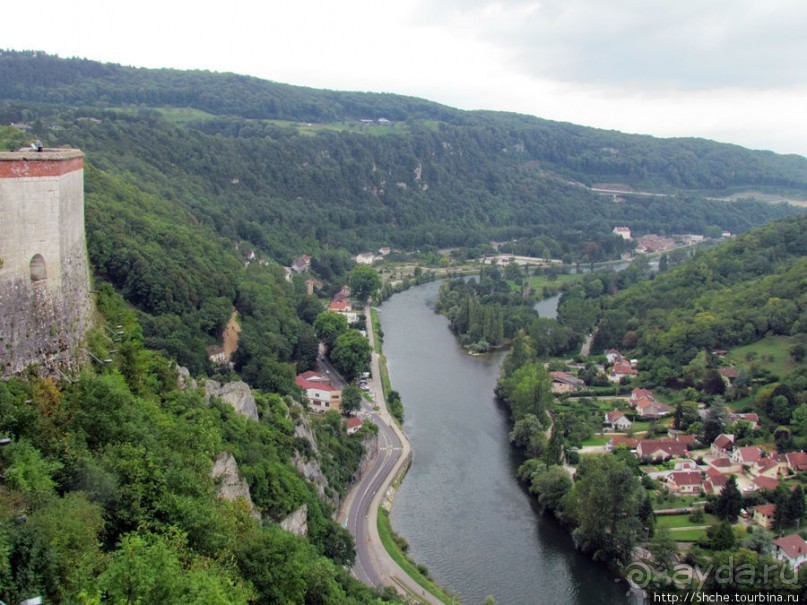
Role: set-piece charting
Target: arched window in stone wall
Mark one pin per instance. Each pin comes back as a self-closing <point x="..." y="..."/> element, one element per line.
<point x="39" y="271"/>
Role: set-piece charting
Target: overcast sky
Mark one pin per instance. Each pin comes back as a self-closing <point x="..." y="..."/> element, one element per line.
<point x="730" y="70"/>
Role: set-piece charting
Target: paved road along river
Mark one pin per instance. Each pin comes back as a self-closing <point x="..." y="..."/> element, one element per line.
<point x="460" y="506"/>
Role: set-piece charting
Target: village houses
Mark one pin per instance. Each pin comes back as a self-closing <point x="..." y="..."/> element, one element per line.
<point x="321" y="394"/>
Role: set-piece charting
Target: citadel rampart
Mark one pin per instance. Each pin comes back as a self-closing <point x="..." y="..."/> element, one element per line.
<point x="45" y="304"/>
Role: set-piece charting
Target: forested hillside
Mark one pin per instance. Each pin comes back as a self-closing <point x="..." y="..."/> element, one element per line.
<point x="750" y="287"/>
<point x="188" y="172"/>
<point x="107" y="492"/>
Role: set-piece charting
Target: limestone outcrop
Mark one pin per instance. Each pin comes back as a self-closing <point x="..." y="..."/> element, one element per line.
<point x="231" y="485"/>
<point x="237" y="394"/>
<point x="297" y="522"/>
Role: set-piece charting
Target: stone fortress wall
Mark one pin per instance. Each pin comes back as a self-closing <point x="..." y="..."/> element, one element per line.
<point x="45" y="303"/>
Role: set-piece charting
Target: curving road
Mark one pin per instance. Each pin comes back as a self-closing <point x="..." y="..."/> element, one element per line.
<point x="359" y="510"/>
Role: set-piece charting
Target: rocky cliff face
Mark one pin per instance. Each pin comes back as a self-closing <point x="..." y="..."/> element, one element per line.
<point x="297" y="522"/>
<point x="237" y="394"/>
<point x="231" y="485"/>
<point x="185" y="380"/>
<point x="370" y="452"/>
<point x="309" y="467"/>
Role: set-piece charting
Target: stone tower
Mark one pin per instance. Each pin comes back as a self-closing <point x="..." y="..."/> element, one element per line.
<point x="45" y="304"/>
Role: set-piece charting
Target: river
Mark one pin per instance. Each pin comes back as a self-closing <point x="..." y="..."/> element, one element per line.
<point x="460" y="507"/>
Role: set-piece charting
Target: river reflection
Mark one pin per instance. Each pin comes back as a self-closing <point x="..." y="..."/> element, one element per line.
<point x="461" y="509"/>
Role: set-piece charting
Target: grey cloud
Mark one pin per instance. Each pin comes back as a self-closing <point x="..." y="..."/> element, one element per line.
<point x="649" y="44"/>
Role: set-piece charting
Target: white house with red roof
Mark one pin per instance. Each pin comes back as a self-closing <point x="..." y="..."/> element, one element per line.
<point x="321" y="394"/>
<point x="763" y="515"/>
<point x="796" y="461"/>
<point x="769" y="467"/>
<point x="623" y="232"/>
<point x="652" y="409"/>
<point x="746" y="456"/>
<point x="638" y="394"/>
<point x="353" y="424"/>
<point x="791" y="549"/>
<point x="722" y="445"/>
<point x="345" y="307"/>
<point x="617" y="421"/>
<point x="715" y="481"/>
<point x="724" y="465"/>
<point x="685" y="482"/>
<point x="340" y="306"/>
<point x="758" y="483"/>
<point x="661" y="449"/>
<point x="620" y="370"/>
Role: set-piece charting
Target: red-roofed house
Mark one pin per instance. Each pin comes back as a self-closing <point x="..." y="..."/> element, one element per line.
<point x="769" y="467"/>
<point x="796" y="461"/>
<point x="752" y="419"/>
<point x="563" y="382"/>
<point x="685" y="464"/>
<point x="620" y="440"/>
<point x="763" y="515"/>
<point x="353" y="424"/>
<point x="724" y="465"/>
<point x="765" y="483"/>
<point x="340" y="306"/>
<point x="661" y="449"/>
<point x="791" y="549"/>
<point x="722" y="445"/>
<point x="321" y="395"/>
<point x="652" y="409"/>
<point x="685" y="482"/>
<point x="312" y="376"/>
<point x="617" y="421"/>
<point x="746" y="455"/>
<point x="715" y="481"/>
<point x="620" y="370"/>
<point x="637" y="394"/>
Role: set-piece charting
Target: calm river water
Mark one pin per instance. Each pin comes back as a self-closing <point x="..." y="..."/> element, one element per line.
<point x="460" y="506"/>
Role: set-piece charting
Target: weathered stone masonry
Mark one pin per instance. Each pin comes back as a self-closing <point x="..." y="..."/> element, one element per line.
<point x="45" y="304"/>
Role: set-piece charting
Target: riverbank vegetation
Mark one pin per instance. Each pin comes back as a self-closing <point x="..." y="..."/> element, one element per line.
<point x="701" y="335"/>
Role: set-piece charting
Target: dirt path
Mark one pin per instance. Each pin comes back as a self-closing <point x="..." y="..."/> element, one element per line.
<point x="230" y="336"/>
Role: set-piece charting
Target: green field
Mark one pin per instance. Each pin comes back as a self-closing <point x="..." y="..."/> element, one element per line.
<point x="688" y="535"/>
<point x="773" y="352"/>
<point x="678" y="521"/>
<point x="597" y="440"/>
<point x="539" y="281"/>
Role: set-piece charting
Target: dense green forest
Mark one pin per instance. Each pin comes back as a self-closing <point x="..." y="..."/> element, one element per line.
<point x="187" y="173"/>
<point x="107" y="493"/>
<point x="735" y="294"/>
